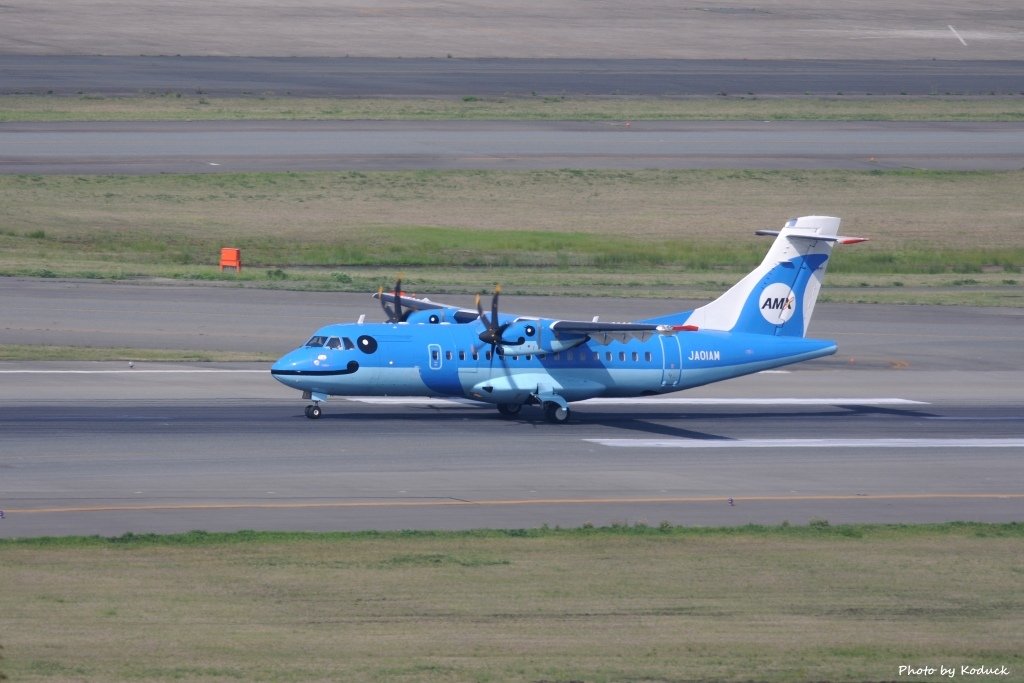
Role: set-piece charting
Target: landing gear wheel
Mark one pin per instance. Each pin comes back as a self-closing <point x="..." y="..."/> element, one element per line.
<point x="555" y="413"/>
<point x="313" y="412"/>
<point x="509" y="409"/>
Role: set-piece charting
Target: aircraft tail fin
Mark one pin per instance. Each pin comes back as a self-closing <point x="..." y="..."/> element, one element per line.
<point x="778" y="297"/>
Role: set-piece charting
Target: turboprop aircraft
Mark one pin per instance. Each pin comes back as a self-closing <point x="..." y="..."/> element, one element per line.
<point x="432" y="349"/>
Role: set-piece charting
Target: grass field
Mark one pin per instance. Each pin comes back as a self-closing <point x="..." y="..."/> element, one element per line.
<point x="937" y="237"/>
<point x="629" y="603"/>
<point x="176" y="106"/>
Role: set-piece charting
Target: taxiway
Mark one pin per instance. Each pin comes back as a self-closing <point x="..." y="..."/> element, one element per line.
<point x="230" y="146"/>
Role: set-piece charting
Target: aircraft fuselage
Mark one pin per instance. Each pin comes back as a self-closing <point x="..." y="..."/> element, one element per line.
<point x="423" y="359"/>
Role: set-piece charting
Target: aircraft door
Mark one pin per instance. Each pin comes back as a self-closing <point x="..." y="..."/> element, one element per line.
<point x="434" y="360"/>
<point x="671" y="360"/>
<point x="441" y="371"/>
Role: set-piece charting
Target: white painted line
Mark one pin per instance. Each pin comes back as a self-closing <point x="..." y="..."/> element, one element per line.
<point x="126" y="372"/>
<point x="425" y="400"/>
<point x="755" y="401"/>
<point x="414" y="401"/>
<point x="958" y="36"/>
<point x="809" y="443"/>
<point x="995" y="418"/>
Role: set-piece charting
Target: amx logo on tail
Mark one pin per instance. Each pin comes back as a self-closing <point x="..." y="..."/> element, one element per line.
<point x="777" y="303"/>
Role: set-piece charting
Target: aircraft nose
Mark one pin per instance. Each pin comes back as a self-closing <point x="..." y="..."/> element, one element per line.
<point x="286" y="362"/>
<point x="288" y="368"/>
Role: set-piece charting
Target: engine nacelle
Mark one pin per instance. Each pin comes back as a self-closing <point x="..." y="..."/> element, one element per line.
<point x="535" y="337"/>
<point x="432" y="316"/>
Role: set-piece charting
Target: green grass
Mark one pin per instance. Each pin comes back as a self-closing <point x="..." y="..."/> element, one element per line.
<point x="464" y="230"/>
<point x="630" y="602"/>
<point x="179" y="106"/>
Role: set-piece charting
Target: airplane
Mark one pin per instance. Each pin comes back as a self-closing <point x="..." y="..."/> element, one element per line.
<point x="431" y="349"/>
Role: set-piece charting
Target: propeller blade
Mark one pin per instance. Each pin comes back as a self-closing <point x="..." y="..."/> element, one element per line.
<point x="383" y="304"/>
<point x="398" y="300"/>
<point x="494" y="305"/>
<point x="394" y="314"/>
<point x="492" y="332"/>
<point x="480" y="312"/>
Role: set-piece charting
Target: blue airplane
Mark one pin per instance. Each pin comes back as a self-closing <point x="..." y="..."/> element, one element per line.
<point x="431" y="349"/>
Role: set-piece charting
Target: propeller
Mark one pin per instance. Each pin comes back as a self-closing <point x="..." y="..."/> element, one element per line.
<point x="395" y="314"/>
<point x="492" y="330"/>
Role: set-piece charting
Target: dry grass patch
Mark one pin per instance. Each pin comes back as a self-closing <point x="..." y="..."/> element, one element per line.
<point x="555" y="225"/>
<point x="950" y="209"/>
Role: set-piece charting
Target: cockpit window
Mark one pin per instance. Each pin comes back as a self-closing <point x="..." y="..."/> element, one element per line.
<point x="316" y="341"/>
<point x="348" y="343"/>
<point x="334" y="343"/>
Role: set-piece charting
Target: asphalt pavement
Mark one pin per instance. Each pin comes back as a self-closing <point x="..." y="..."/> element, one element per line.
<point x="914" y="420"/>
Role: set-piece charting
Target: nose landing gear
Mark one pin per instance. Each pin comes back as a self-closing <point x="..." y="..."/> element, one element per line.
<point x="313" y="412"/>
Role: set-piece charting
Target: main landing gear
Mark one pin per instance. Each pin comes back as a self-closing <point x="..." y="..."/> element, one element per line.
<point x="510" y="409"/>
<point x="314" y="412"/>
<point x="554" y="412"/>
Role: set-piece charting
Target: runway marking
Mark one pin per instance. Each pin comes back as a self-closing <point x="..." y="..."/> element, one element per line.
<point x="414" y="401"/>
<point x="756" y="401"/>
<point x="809" y="443"/>
<point x="459" y="502"/>
<point x="958" y="36"/>
<point x="995" y="418"/>
<point x="422" y="400"/>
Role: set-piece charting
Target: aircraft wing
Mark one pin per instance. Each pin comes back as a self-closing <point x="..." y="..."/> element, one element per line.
<point x="605" y="333"/>
<point x="411" y="303"/>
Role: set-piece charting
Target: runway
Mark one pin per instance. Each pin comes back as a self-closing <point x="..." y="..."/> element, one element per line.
<point x="914" y="420"/>
<point x="226" y="146"/>
<point x="165" y="466"/>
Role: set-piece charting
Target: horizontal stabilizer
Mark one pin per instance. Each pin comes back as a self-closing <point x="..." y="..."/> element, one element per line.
<point x="813" y="236"/>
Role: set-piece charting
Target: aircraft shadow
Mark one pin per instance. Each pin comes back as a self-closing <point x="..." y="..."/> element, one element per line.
<point x="660" y="423"/>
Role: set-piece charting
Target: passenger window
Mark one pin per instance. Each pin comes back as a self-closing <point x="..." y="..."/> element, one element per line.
<point x="608" y="356"/>
<point x="647" y="356"/>
<point x="462" y="355"/>
<point x="447" y="355"/>
<point x="636" y="356"/>
<point x="622" y="355"/>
